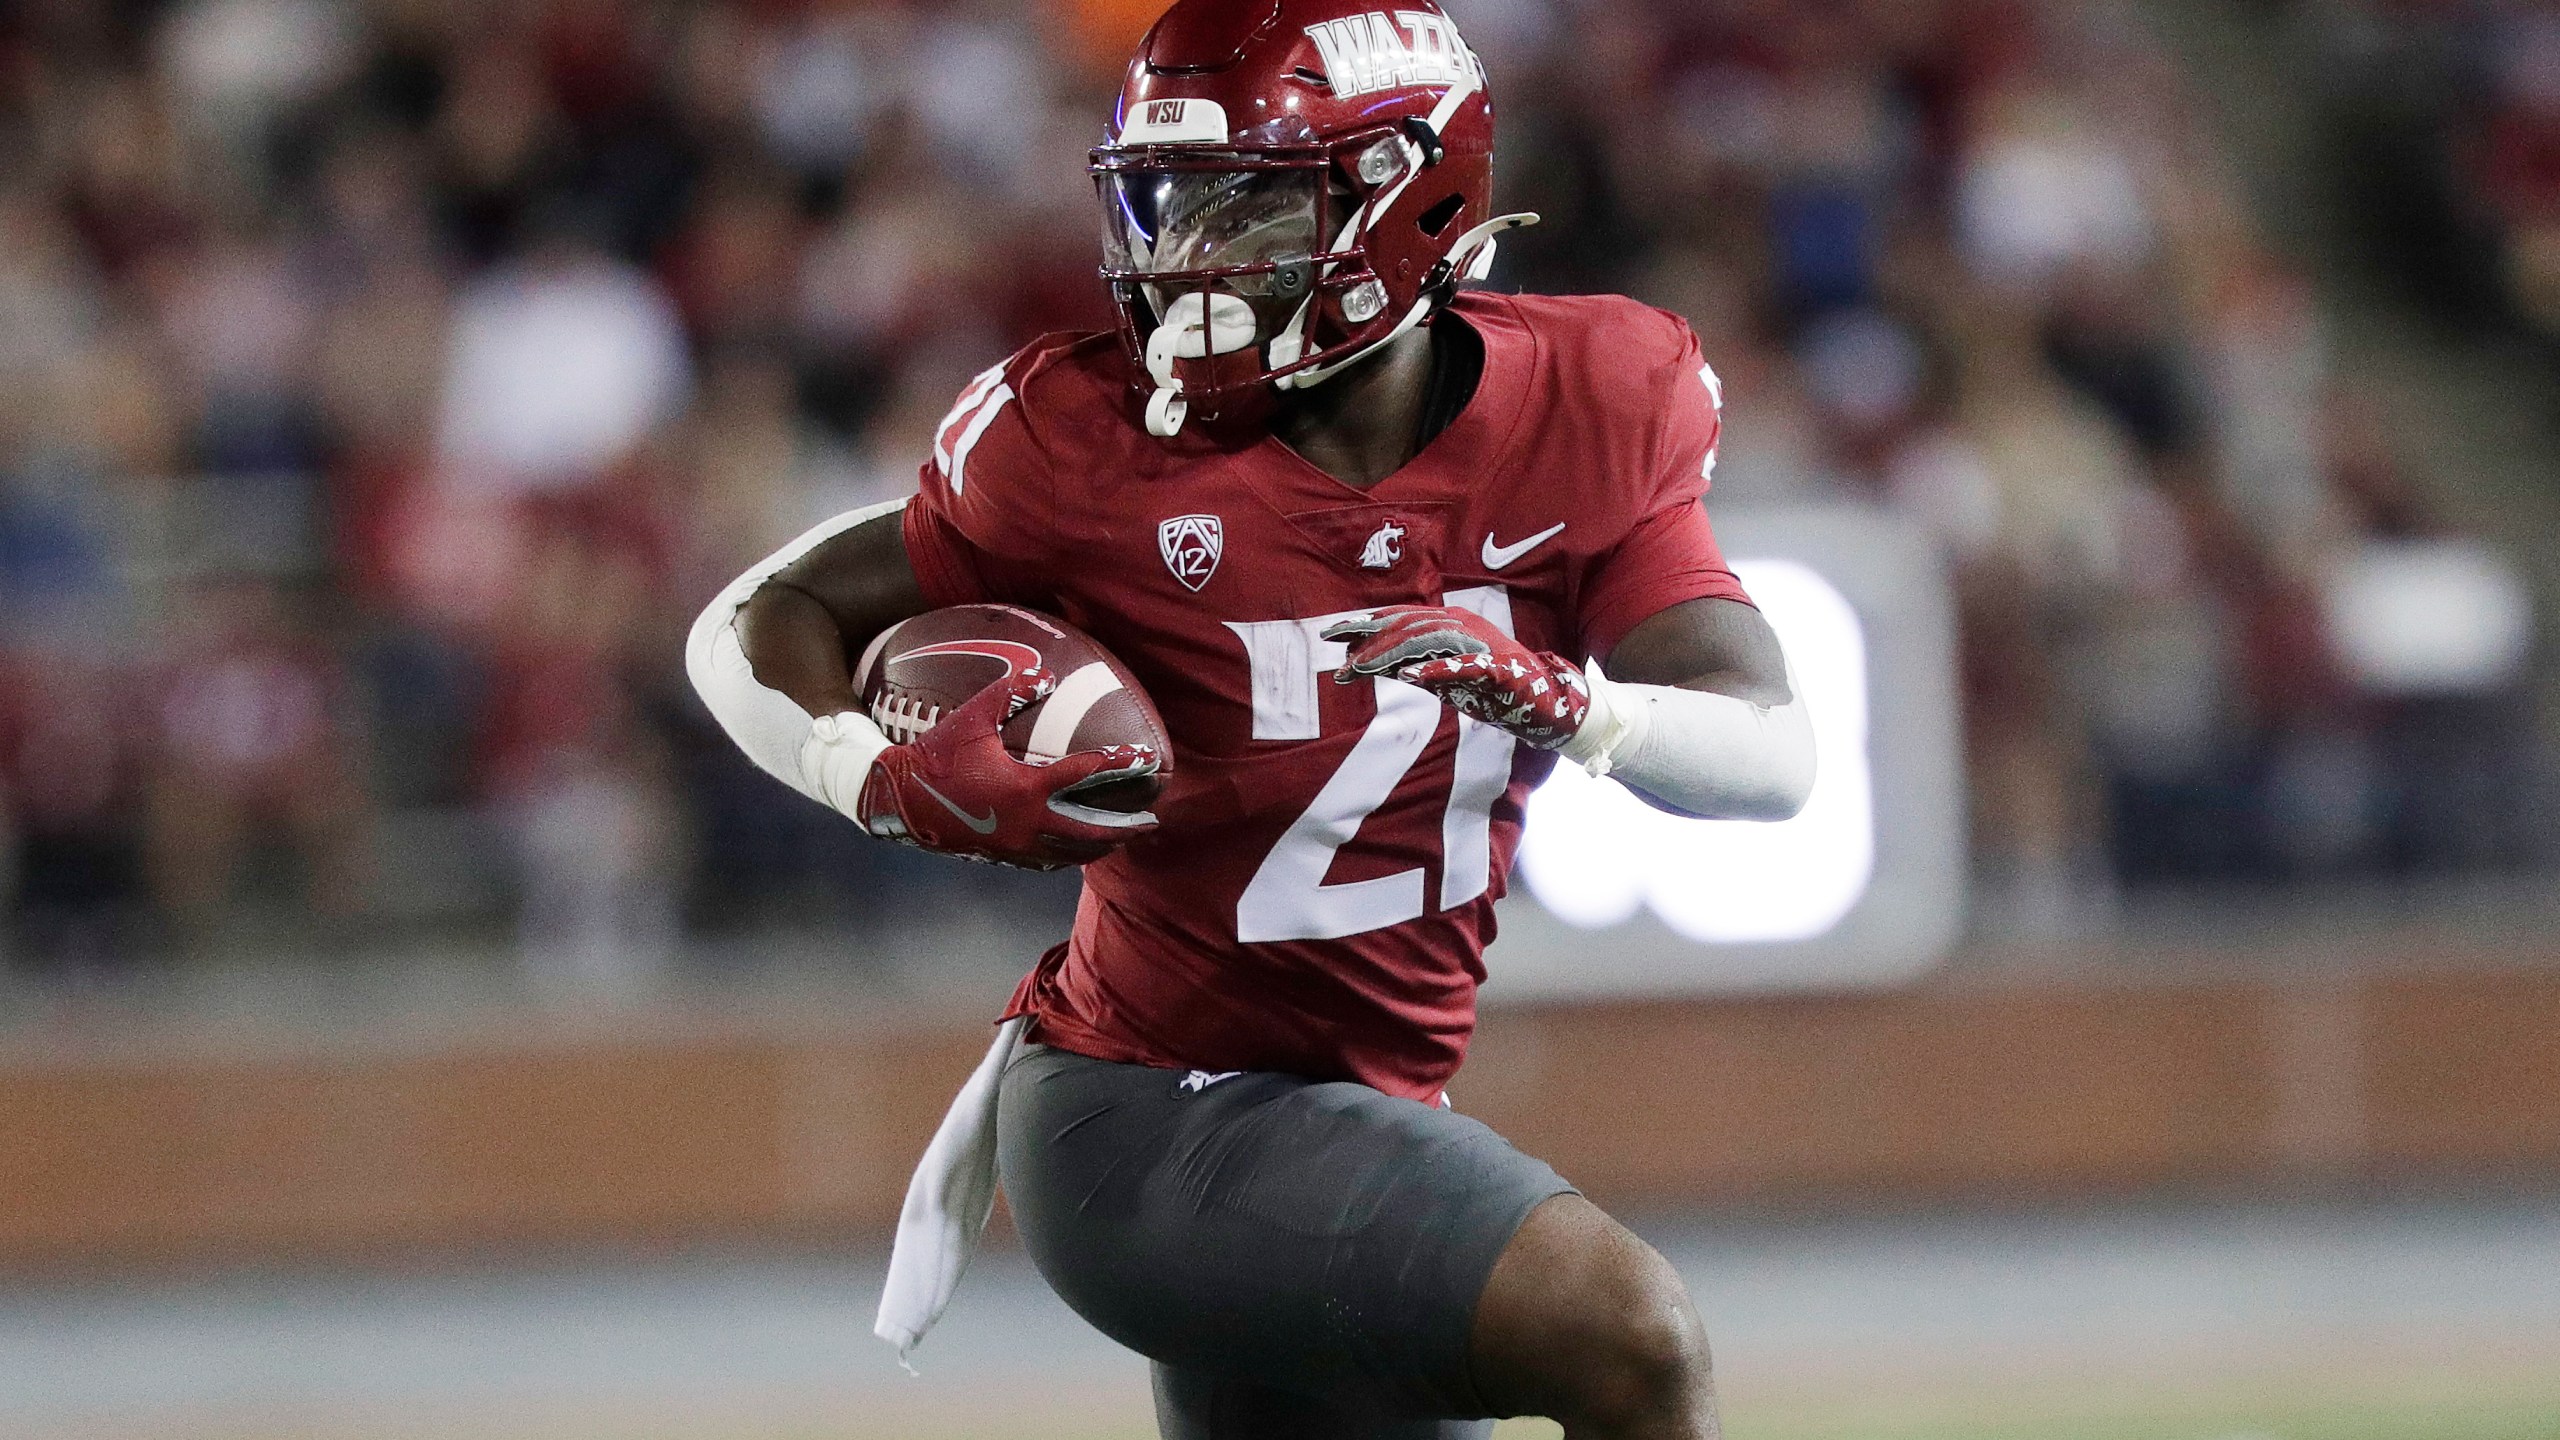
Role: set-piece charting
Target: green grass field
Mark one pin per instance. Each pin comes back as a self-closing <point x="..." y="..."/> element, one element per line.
<point x="2446" y="1407"/>
<point x="2410" y="1323"/>
<point x="2493" y="1419"/>
<point x="2456" y="1420"/>
<point x="2513" y="1412"/>
<point x="2490" y="1419"/>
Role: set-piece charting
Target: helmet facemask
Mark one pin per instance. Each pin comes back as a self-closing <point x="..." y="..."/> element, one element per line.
<point x="1269" y="256"/>
<point x="1221" y="268"/>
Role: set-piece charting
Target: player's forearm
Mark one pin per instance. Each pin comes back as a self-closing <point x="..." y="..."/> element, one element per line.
<point x="781" y="706"/>
<point x="1698" y="714"/>
<point x="794" y="646"/>
<point x="1717" y="756"/>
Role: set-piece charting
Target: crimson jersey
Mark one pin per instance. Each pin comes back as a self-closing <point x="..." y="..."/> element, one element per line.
<point x="1319" y="895"/>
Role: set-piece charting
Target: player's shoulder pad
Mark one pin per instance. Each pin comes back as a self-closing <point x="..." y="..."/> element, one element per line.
<point x="1027" y="418"/>
<point x="1635" y="373"/>
<point x="1610" y="350"/>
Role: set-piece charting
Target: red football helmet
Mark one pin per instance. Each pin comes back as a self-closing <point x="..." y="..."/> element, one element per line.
<point x="1287" y="185"/>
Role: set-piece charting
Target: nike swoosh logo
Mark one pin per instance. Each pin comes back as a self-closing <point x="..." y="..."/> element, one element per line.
<point x="1497" y="556"/>
<point x="986" y="826"/>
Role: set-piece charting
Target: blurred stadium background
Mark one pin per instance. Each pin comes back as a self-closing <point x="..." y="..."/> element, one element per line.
<point x="415" y="1021"/>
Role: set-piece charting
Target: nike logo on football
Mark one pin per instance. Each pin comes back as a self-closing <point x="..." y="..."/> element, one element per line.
<point x="985" y="826"/>
<point x="1497" y="556"/>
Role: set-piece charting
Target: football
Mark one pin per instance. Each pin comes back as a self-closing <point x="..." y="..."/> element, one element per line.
<point x="919" y="670"/>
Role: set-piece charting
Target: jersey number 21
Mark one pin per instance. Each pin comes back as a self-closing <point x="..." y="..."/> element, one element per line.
<point x="1287" y="898"/>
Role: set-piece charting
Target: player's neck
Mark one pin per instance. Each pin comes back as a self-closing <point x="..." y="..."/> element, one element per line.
<point x="1362" y="425"/>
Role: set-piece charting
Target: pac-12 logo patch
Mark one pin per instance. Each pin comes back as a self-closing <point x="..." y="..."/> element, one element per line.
<point x="1191" y="545"/>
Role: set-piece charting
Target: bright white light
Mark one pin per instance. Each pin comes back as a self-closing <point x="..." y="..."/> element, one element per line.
<point x="2430" y="617"/>
<point x="1595" y="853"/>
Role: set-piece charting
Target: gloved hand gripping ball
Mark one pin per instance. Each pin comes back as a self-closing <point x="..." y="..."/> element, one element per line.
<point x="1461" y="657"/>
<point x="956" y="789"/>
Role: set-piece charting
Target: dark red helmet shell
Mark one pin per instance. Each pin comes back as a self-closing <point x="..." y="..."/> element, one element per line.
<point x="1191" y="39"/>
<point x="1314" y="85"/>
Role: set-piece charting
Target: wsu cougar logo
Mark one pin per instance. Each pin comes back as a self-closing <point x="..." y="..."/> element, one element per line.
<point x="1191" y="545"/>
<point x="1384" y="548"/>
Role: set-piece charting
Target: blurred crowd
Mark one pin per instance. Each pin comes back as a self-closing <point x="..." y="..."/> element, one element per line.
<point x="384" y="384"/>
<point x="2449" y="114"/>
<point x="1985" y="264"/>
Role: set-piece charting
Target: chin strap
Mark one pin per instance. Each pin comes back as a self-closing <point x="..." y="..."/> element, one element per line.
<point x="1470" y="258"/>
<point x="1313" y="376"/>
<point x="1285" y="348"/>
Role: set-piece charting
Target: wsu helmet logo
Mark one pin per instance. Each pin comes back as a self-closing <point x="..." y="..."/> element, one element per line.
<point x="1191" y="545"/>
<point x="1372" y="52"/>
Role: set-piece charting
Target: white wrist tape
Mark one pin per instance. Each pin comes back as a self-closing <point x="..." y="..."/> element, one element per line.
<point x="836" y="759"/>
<point x="825" y="759"/>
<point x="1711" y="755"/>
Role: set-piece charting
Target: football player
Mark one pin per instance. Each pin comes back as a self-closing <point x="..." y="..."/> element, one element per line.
<point x="1384" y="551"/>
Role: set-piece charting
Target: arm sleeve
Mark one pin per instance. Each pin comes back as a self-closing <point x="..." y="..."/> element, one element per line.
<point x="1713" y="756"/>
<point x="765" y="723"/>
<point x="1669" y="553"/>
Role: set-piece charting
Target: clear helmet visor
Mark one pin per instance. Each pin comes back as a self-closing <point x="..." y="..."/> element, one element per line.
<point x="1170" y="221"/>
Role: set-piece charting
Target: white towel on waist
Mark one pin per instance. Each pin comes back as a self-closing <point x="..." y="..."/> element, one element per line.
<point x="948" y="1201"/>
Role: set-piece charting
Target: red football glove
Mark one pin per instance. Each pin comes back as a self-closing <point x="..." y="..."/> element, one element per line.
<point x="955" y="789"/>
<point x="1459" y="656"/>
